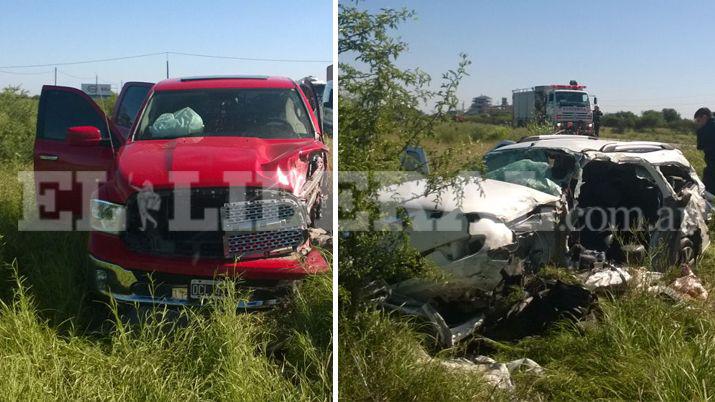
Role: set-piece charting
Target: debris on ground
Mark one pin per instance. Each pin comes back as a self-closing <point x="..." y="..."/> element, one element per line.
<point x="541" y="303"/>
<point x="494" y="373"/>
<point x="609" y="277"/>
<point x="320" y="237"/>
<point x="546" y="304"/>
<point x="690" y="285"/>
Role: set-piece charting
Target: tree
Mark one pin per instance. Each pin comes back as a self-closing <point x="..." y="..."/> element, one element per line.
<point x="380" y="118"/>
<point x="670" y="115"/>
<point x="650" y="119"/>
<point x="621" y="121"/>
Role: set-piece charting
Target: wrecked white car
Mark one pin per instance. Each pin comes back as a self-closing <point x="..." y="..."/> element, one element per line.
<point x="556" y="200"/>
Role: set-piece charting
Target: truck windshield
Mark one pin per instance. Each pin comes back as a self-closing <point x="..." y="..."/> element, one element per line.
<point x="545" y="170"/>
<point x="255" y="112"/>
<point x="572" y="98"/>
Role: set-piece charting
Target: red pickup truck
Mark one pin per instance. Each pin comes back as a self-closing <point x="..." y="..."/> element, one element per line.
<point x="192" y="181"/>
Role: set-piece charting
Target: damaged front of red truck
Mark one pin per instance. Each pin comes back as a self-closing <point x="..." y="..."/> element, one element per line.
<point x="205" y="179"/>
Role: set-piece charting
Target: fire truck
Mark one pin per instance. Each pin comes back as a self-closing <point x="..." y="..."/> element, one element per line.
<point x="566" y="107"/>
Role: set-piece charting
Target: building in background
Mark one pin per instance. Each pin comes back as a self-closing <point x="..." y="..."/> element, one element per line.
<point x="480" y="105"/>
<point x="483" y="105"/>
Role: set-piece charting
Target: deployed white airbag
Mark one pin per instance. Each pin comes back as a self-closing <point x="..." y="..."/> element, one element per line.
<point x="177" y="124"/>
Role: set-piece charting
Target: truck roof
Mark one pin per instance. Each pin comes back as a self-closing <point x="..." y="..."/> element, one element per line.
<point x="224" y="81"/>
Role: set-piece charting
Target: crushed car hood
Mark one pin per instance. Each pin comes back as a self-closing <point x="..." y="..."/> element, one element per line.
<point x="489" y="198"/>
<point x="267" y="163"/>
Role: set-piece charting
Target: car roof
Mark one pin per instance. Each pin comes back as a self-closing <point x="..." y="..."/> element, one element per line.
<point x="224" y="81"/>
<point x="652" y="151"/>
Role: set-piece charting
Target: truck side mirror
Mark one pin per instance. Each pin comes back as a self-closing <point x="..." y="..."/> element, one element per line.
<point x="595" y="100"/>
<point x="83" y="136"/>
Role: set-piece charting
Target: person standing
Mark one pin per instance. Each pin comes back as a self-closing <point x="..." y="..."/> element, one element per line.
<point x="706" y="143"/>
<point x="597" y="113"/>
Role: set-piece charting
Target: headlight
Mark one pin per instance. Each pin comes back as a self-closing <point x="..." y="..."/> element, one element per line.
<point x="590" y="124"/>
<point x="107" y="217"/>
<point x="558" y="124"/>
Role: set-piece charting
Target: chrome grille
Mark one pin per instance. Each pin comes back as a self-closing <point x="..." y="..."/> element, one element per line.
<point x="573" y="116"/>
<point x="249" y="226"/>
<point x="244" y="244"/>
<point x="252" y="215"/>
<point x="262" y="226"/>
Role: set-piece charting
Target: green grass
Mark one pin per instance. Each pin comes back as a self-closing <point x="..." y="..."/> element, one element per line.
<point x="382" y="359"/>
<point x="58" y="344"/>
<point x="642" y="348"/>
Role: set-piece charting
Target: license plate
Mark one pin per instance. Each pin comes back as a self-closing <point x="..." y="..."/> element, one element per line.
<point x="206" y="289"/>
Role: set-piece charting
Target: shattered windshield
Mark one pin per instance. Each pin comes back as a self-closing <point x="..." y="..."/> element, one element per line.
<point x="251" y="112"/>
<point x="544" y="170"/>
<point x="571" y="98"/>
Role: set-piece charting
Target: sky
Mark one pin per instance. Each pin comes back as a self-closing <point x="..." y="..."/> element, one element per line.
<point x="632" y="55"/>
<point x="43" y="32"/>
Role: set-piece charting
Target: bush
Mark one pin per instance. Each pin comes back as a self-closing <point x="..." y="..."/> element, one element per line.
<point x="620" y="121"/>
<point x="18" y="115"/>
<point x="650" y="119"/>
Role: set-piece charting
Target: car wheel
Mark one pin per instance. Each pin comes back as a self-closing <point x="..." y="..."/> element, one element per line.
<point x="687" y="254"/>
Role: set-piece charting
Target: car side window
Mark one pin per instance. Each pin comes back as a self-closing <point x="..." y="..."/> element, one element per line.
<point x="328" y="98"/>
<point x="131" y="103"/>
<point x="61" y="110"/>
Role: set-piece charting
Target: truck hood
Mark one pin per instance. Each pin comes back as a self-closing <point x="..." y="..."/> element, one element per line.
<point x="268" y="163"/>
<point x="488" y="198"/>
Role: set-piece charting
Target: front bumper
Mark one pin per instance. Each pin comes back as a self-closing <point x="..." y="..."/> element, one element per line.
<point x="573" y="126"/>
<point x="130" y="277"/>
<point x="132" y="287"/>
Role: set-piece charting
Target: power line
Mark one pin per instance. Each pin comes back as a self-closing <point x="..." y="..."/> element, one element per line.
<point x="74" y="76"/>
<point x="166" y="53"/>
<point x="250" y="58"/>
<point x="85" y="61"/>
<point x="25" y="73"/>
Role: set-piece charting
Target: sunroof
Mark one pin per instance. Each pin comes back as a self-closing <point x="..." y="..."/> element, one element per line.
<point x="225" y="77"/>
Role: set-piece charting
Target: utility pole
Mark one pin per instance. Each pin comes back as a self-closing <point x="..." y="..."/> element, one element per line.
<point x="55" y="76"/>
<point x="167" y="65"/>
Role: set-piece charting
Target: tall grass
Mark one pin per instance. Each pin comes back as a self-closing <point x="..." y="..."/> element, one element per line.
<point x="219" y="356"/>
<point x="382" y="359"/>
<point x="643" y="348"/>
<point x="18" y="113"/>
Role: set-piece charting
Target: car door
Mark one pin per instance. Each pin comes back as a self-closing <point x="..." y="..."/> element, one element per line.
<point x="60" y="164"/>
<point x="327" y="110"/>
<point x="129" y="103"/>
<point x="306" y="85"/>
